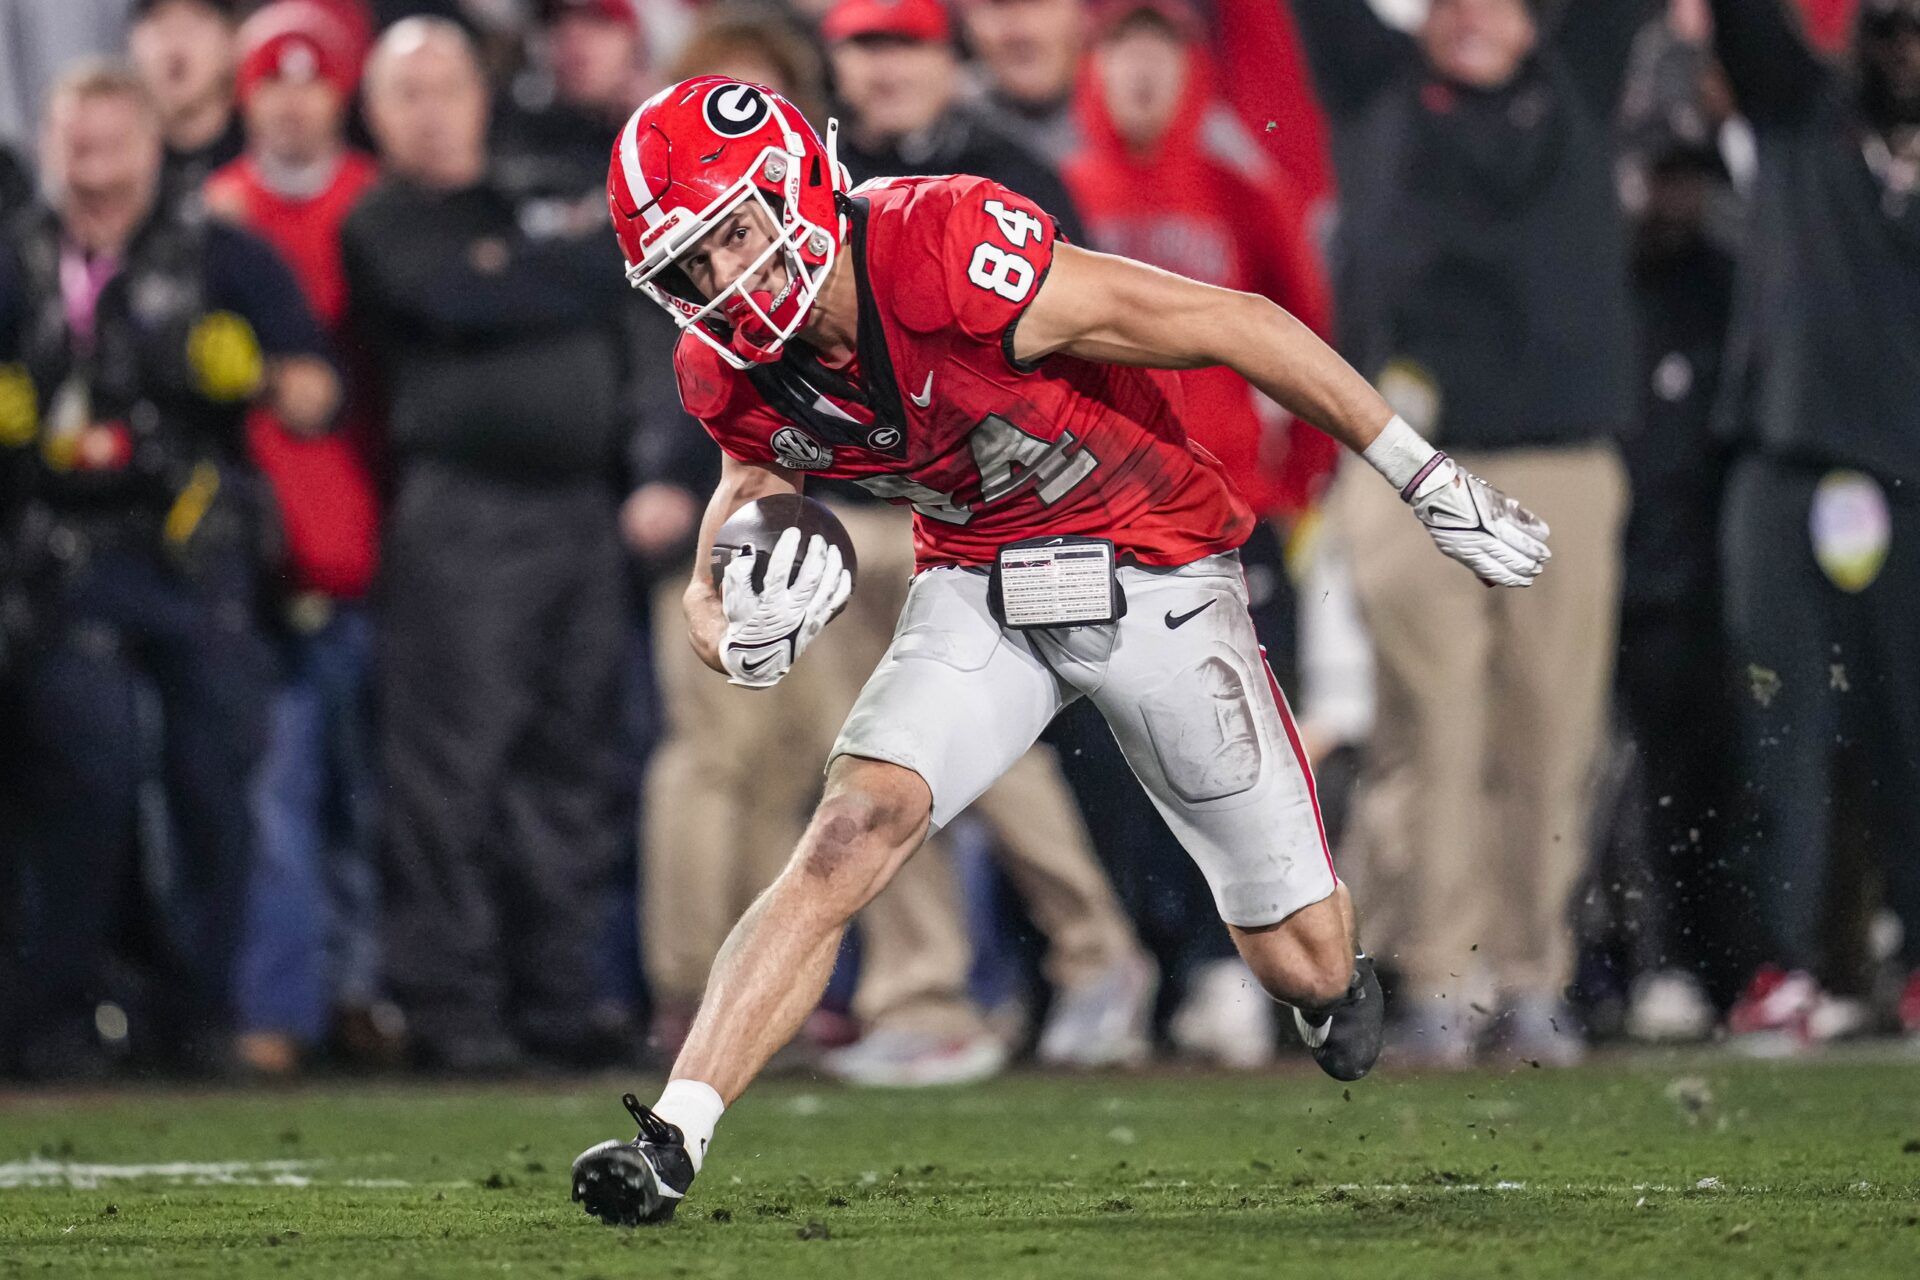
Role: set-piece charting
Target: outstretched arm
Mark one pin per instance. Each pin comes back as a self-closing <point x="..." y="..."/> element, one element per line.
<point x="1776" y="77"/>
<point x="1098" y="307"/>
<point x="1352" y="52"/>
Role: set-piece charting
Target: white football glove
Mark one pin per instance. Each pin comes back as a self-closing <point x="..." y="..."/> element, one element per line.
<point x="1473" y="522"/>
<point x="768" y="629"/>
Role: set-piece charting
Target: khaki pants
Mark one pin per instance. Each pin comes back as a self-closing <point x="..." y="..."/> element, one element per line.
<point x="736" y="778"/>
<point x="915" y="954"/>
<point x="1471" y="823"/>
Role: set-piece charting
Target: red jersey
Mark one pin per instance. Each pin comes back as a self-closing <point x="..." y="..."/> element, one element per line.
<point x="324" y="487"/>
<point x="936" y="413"/>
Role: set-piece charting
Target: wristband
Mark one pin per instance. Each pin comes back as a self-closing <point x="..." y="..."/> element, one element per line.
<point x="1399" y="454"/>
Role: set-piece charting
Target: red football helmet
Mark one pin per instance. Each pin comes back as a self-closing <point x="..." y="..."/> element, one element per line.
<point x="689" y="157"/>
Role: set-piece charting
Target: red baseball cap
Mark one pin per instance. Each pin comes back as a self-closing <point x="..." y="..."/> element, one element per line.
<point x="923" y="20"/>
<point x="296" y="39"/>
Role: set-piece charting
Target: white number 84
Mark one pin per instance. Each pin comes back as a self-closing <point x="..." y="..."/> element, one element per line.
<point x="996" y="270"/>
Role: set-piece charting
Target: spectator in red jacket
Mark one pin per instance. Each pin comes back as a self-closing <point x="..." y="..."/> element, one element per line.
<point x="1264" y="76"/>
<point x="308" y="963"/>
<point x="1167" y="174"/>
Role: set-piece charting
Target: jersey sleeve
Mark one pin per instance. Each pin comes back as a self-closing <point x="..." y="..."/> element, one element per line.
<point x="997" y="247"/>
<point x="724" y="403"/>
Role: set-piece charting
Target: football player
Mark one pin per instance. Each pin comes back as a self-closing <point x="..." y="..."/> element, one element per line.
<point x="933" y="340"/>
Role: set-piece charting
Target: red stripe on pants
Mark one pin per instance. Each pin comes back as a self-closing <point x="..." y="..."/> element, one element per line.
<point x="1300" y="755"/>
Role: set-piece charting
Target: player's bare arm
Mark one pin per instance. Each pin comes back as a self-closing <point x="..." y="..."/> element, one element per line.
<point x="1098" y="307"/>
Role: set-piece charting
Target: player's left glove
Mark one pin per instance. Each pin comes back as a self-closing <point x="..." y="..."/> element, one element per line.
<point x="1476" y="524"/>
<point x="768" y="629"/>
<point x="1471" y="521"/>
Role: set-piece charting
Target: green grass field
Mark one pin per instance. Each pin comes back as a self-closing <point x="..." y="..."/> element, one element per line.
<point x="1675" y="1167"/>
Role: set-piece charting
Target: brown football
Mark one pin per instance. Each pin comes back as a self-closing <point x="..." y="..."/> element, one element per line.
<point x="754" y="528"/>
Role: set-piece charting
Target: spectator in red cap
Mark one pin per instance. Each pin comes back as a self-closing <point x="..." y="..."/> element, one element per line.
<point x="308" y="960"/>
<point x="185" y="52"/>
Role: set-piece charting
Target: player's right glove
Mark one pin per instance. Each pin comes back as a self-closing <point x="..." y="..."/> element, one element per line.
<point x="768" y="629"/>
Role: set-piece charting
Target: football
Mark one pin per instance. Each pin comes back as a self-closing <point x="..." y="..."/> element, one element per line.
<point x="754" y="528"/>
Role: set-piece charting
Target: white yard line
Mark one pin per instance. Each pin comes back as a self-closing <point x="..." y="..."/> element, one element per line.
<point x="40" y="1172"/>
<point x="87" y="1175"/>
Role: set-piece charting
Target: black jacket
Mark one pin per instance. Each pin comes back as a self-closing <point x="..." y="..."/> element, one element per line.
<point x="16" y="183"/>
<point x="498" y="334"/>
<point x="166" y="365"/>
<point x="1824" y="364"/>
<point x="559" y="153"/>
<point x="1481" y="251"/>
<point x="1683" y="295"/>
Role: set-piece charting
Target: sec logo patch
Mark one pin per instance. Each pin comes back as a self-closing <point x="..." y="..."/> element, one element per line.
<point x="799" y="451"/>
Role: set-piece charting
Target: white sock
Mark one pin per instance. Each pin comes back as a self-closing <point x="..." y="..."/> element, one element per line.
<point x="696" y="1109"/>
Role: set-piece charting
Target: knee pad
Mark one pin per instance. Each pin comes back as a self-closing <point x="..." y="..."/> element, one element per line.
<point x="1204" y="734"/>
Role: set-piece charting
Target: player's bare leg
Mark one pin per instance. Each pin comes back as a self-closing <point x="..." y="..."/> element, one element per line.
<point x="768" y="976"/>
<point x="776" y="962"/>
<point x="1308" y="960"/>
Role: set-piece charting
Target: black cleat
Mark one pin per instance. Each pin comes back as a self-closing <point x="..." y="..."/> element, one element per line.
<point x="629" y="1184"/>
<point x="1345" y="1037"/>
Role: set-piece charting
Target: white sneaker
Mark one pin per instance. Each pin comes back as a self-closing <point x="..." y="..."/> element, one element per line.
<point x="1668" y="1006"/>
<point x="1837" y="1018"/>
<point x="1769" y="1019"/>
<point x="899" y="1059"/>
<point x="1227" y="1018"/>
<point x="1104" y="1021"/>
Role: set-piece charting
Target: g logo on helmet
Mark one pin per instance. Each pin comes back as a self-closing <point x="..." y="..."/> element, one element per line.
<point x="735" y="110"/>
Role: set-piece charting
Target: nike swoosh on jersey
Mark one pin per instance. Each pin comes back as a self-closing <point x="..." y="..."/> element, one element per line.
<point x="1175" y="622"/>
<point x="925" y="397"/>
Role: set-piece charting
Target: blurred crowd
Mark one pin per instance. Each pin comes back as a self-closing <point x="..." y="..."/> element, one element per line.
<point x="347" y="719"/>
